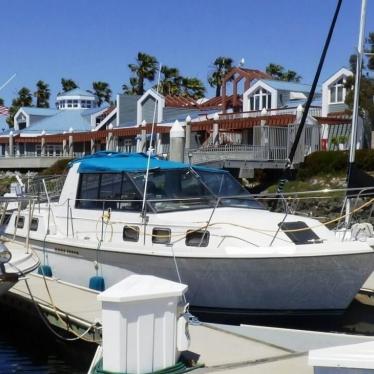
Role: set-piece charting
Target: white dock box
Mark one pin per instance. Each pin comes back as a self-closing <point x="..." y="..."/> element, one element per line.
<point x="139" y="319"/>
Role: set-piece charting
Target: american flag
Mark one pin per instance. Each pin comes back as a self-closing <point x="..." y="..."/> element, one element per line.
<point x="4" y="110"/>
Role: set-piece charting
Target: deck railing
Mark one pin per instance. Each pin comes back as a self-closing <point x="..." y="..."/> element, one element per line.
<point x="314" y="111"/>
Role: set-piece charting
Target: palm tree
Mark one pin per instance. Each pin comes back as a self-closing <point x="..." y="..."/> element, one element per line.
<point x="68" y="84"/>
<point x="193" y="87"/>
<point x="171" y="81"/>
<point x="145" y="68"/>
<point x="221" y="66"/>
<point x="132" y="88"/>
<point x="102" y="91"/>
<point x="24" y="99"/>
<point x="291" y="76"/>
<point x="42" y="94"/>
<point x="276" y="71"/>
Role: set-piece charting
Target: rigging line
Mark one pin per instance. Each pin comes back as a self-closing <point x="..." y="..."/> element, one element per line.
<point x="311" y="93"/>
<point x="8" y="81"/>
<point x="150" y="147"/>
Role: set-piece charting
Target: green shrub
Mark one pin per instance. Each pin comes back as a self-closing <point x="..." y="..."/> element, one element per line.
<point x="59" y="167"/>
<point x="334" y="163"/>
<point x="323" y="163"/>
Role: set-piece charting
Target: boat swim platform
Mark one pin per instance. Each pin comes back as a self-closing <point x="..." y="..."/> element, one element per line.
<point x="221" y="348"/>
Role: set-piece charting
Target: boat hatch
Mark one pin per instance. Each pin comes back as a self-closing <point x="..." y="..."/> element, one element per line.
<point x="299" y="232"/>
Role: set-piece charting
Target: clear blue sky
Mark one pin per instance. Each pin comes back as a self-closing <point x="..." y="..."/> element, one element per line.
<point x="88" y="40"/>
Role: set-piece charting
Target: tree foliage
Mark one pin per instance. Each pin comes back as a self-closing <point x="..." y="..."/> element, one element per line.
<point x="24" y="99"/>
<point x="102" y="92"/>
<point x="278" y="72"/>
<point x="171" y="81"/>
<point x="68" y="85"/>
<point x="1" y="102"/>
<point x="221" y="66"/>
<point x="192" y="87"/>
<point x="131" y="88"/>
<point x="42" y="94"/>
<point x="145" y="68"/>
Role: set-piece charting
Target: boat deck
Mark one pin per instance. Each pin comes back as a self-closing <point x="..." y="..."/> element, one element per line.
<point x="221" y="348"/>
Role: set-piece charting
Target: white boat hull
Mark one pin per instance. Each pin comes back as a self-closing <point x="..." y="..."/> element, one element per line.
<point x="309" y="283"/>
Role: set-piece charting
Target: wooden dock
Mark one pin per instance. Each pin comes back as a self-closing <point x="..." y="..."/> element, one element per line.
<point x="221" y="348"/>
<point x="65" y="305"/>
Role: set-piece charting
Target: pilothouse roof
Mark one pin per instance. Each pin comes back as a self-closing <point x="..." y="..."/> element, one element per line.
<point x="116" y="162"/>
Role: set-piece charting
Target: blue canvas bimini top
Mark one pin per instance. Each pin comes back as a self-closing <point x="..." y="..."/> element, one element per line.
<point x="115" y="162"/>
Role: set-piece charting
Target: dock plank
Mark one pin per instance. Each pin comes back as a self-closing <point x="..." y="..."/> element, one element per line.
<point x="78" y="302"/>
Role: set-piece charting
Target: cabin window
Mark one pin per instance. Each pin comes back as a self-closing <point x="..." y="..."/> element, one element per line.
<point x="161" y="235"/>
<point x="34" y="224"/>
<point x="337" y="92"/>
<point x="108" y="190"/>
<point x="131" y="233"/>
<point x="197" y="238"/>
<point x="88" y="191"/>
<point x="20" y="223"/>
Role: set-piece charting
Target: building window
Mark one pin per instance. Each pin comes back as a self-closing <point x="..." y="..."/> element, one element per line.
<point x="260" y="99"/>
<point x="337" y="92"/>
<point x="75" y="103"/>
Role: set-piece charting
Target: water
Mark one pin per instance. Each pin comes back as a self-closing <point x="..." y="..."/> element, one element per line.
<point x="27" y="346"/>
<point x="357" y="319"/>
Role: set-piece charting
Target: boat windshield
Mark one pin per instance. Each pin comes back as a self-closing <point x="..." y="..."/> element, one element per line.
<point x="170" y="190"/>
<point x="225" y="186"/>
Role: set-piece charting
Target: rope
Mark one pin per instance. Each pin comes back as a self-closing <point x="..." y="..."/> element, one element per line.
<point x="56" y="310"/>
<point x="43" y="318"/>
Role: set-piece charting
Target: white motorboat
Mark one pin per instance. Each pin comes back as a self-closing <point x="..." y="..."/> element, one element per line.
<point x="199" y="226"/>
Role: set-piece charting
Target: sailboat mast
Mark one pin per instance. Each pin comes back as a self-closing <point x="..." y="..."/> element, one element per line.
<point x="360" y="54"/>
<point x="356" y="97"/>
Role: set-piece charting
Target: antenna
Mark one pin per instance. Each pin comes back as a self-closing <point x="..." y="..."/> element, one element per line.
<point x="8" y="81"/>
<point x="242" y="62"/>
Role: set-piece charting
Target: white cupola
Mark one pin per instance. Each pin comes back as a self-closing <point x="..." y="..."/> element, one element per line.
<point x="76" y="99"/>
